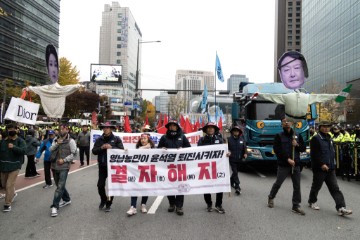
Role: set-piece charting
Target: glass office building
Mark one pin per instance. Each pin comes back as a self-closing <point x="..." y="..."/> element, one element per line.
<point x="26" y="28"/>
<point x="331" y="42"/>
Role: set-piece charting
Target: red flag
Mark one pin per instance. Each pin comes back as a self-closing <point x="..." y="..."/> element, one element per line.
<point x="127" y="127"/>
<point x="197" y="125"/>
<point x="182" y="121"/>
<point x="187" y="127"/>
<point x="146" y="121"/>
<point x="162" y="130"/>
<point x="220" y="124"/>
<point x="165" y="120"/>
<point x="159" y="124"/>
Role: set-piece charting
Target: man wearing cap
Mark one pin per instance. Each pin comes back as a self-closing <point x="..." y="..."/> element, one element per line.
<point x="106" y="141"/>
<point x="83" y="142"/>
<point x="211" y="137"/>
<point x="287" y="146"/>
<point x="45" y="146"/>
<point x="12" y="150"/>
<point x="174" y="138"/>
<point x="323" y="166"/>
<point x="237" y="151"/>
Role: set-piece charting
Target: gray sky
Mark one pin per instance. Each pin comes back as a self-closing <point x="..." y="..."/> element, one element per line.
<point x="190" y="31"/>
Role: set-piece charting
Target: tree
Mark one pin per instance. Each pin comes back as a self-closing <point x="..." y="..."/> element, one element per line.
<point x="176" y="106"/>
<point x="68" y="74"/>
<point x="80" y="102"/>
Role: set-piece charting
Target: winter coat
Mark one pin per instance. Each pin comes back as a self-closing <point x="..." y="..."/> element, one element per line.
<point x="31" y="145"/>
<point x="11" y="159"/>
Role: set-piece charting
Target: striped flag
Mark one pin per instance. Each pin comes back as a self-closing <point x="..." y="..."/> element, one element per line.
<point x="218" y="69"/>
<point x="343" y="94"/>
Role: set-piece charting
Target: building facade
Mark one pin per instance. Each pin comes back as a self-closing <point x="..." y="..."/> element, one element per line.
<point x="119" y="37"/>
<point x="26" y="28"/>
<point x="234" y="81"/>
<point x="287" y="29"/>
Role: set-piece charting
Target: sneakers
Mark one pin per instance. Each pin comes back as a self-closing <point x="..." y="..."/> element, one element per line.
<point x="7" y="208"/>
<point x="108" y="207"/>
<point x="13" y="199"/>
<point x="81" y="165"/>
<point x="343" y="211"/>
<point x="54" y="212"/>
<point x="143" y="208"/>
<point x="132" y="211"/>
<point x="298" y="210"/>
<point x="209" y="208"/>
<point x="102" y="205"/>
<point x="47" y="186"/>
<point x="220" y="209"/>
<point x="314" y="206"/>
<point x="270" y="202"/>
<point x="64" y="203"/>
<point x="238" y="191"/>
<point x="179" y="211"/>
<point x="171" y="208"/>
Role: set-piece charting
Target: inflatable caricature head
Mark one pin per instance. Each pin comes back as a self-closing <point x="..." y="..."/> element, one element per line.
<point x="52" y="63"/>
<point x="293" y="69"/>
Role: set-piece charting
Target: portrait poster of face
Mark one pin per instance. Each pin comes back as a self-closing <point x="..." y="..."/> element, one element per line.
<point x="293" y="69"/>
<point x="52" y="64"/>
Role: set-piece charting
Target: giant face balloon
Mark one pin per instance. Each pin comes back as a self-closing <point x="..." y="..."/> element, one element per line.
<point x="292" y="69"/>
<point x="52" y="63"/>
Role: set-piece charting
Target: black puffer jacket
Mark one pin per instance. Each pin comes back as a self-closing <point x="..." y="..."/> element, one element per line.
<point x="210" y="140"/>
<point x="113" y="140"/>
<point x="237" y="147"/>
<point x="322" y="152"/>
<point x="176" y="140"/>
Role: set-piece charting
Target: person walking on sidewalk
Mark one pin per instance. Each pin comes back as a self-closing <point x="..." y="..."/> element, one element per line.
<point x="323" y="165"/>
<point x="287" y="146"/>
<point x="106" y="141"/>
<point x="174" y="138"/>
<point x="64" y="149"/>
<point x="45" y="146"/>
<point x="144" y="143"/>
<point x="31" y="147"/>
<point x="237" y="151"/>
<point x="83" y="142"/>
<point x="12" y="150"/>
<point x="211" y="137"/>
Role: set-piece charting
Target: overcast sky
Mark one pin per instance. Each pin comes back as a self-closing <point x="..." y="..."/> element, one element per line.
<point x="190" y="31"/>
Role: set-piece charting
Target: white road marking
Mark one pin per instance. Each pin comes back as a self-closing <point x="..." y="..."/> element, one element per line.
<point x="155" y="205"/>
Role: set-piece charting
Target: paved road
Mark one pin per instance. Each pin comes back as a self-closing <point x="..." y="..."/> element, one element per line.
<point x="247" y="216"/>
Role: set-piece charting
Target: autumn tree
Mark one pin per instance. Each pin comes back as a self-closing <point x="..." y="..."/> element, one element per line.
<point x="68" y="74"/>
<point x="176" y="105"/>
<point x="80" y="102"/>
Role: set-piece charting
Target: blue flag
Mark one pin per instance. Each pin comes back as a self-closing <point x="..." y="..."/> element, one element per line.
<point x="204" y="100"/>
<point x="218" y="69"/>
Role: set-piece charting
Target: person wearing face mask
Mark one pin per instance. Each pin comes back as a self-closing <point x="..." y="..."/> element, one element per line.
<point x="45" y="147"/>
<point x="174" y="138"/>
<point x="211" y="137"/>
<point x="12" y="150"/>
<point x="65" y="148"/>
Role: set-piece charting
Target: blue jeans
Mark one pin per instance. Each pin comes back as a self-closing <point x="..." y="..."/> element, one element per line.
<point x="60" y="177"/>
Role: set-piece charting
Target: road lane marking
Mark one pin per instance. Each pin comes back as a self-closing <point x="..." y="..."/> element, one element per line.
<point x="155" y="205"/>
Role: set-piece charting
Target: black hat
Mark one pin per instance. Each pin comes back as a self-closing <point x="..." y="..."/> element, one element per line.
<point x="172" y="121"/>
<point x="210" y="124"/>
<point x="107" y="124"/>
<point x="295" y="55"/>
<point x="325" y="123"/>
<point x="236" y="128"/>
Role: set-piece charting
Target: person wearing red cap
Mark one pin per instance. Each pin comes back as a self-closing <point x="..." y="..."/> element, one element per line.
<point x="174" y="138"/>
<point x="211" y="137"/>
<point x="237" y="151"/>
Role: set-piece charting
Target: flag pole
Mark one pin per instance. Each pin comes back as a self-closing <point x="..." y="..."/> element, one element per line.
<point x="215" y="88"/>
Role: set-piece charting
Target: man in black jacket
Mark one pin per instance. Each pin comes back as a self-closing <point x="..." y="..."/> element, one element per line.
<point x="106" y="141"/>
<point x="237" y="151"/>
<point x="211" y="137"/>
<point x="174" y="138"/>
<point x="287" y="147"/>
<point x="323" y="166"/>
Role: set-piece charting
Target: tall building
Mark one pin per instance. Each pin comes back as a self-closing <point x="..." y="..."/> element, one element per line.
<point x="330" y="44"/>
<point x="234" y="81"/>
<point x="287" y="29"/>
<point x="26" y="28"/>
<point x="119" y="36"/>
<point x="193" y="80"/>
<point x="162" y="103"/>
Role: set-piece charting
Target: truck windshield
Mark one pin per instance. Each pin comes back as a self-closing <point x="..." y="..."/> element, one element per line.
<point x="265" y="111"/>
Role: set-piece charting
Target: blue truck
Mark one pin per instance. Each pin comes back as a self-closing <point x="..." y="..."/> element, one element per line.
<point x="260" y="120"/>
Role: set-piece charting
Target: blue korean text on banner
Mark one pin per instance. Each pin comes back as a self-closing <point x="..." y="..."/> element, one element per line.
<point x="219" y="70"/>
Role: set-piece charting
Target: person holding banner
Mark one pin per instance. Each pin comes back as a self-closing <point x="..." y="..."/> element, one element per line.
<point x="211" y="137"/>
<point x="174" y="138"/>
<point x="144" y="143"/>
<point x="106" y="141"/>
<point x="12" y="150"/>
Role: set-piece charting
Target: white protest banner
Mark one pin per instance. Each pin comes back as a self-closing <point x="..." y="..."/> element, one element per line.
<point x="158" y="172"/>
<point x="130" y="139"/>
<point x="22" y="111"/>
